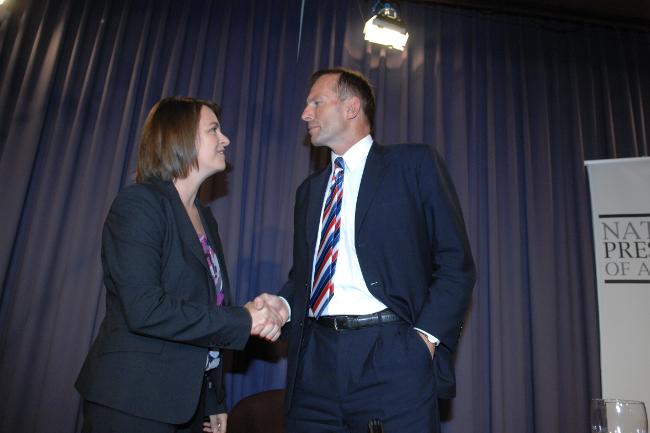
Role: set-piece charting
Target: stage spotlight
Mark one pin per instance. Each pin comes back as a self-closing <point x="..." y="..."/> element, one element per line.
<point x="385" y="27"/>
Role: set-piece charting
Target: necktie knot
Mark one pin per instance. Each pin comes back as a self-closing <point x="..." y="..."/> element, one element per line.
<point x="339" y="163"/>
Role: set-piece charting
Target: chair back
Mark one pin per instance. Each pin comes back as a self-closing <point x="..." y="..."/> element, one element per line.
<point x="258" y="413"/>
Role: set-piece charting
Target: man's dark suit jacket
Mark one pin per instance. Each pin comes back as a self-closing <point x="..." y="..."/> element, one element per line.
<point x="411" y="245"/>
<point x="161" y="318"/>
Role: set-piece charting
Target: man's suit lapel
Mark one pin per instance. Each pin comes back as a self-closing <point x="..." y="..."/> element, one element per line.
<point x="373" y="176"/>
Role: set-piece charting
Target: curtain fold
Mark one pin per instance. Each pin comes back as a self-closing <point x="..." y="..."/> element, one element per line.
<point x="514" y="104"/>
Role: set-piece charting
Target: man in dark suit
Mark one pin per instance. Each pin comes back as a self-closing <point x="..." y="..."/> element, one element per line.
<point x="381" y="279"/>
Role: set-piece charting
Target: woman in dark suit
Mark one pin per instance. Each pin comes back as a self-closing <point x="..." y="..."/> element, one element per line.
<point x="155" y="365"/>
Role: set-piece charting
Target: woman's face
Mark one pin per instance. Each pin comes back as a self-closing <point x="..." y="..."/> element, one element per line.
<point x="210" y="143"/>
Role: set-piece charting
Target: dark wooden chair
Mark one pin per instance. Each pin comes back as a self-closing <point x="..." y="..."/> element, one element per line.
<point x="258" y="413"/>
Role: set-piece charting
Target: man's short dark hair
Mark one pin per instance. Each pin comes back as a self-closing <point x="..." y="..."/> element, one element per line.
<point x="352" y="83"/>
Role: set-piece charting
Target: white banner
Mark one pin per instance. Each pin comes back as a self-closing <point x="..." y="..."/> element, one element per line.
<point x="620" y="201"/>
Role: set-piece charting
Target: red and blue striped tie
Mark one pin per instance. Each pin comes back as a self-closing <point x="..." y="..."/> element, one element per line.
<point x="323" y="288"/>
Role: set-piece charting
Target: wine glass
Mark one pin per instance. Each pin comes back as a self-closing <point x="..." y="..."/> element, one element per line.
<point x="618" y="416"/>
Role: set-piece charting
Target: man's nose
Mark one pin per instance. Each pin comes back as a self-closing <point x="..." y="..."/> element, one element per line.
<point x="307" y="114"/>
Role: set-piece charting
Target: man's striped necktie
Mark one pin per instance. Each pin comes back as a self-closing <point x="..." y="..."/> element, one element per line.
<point x="322" y="287"/>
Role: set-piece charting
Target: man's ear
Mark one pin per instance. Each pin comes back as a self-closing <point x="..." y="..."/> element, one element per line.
<point x="352" y="107"/>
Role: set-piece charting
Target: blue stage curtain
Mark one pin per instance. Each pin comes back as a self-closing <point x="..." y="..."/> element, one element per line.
<point x="514" y="104"/>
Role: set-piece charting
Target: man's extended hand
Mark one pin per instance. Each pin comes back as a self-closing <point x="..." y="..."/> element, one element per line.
<point x="275" y="302"/>
<point x="269" y="314"/>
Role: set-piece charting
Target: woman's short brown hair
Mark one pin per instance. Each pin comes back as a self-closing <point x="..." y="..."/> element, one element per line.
<point x="167" y="148"/>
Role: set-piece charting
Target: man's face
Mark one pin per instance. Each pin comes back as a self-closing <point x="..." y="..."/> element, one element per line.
<point x="325" y="113"/>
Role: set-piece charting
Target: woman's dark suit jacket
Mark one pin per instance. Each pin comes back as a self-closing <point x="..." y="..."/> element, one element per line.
<point x="161" y="317"/>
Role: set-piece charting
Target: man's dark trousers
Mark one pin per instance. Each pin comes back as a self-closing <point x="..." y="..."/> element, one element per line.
<point x="348" y="377"/>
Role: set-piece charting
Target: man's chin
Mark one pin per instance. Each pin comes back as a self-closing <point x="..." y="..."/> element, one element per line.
<point x="317" y="141"/>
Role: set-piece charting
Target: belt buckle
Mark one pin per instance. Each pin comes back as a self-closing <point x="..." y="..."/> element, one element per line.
<point x="336" y="323"/>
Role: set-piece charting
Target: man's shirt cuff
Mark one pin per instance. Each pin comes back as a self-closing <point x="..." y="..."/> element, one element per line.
<point x="430" y="337"/>
<point x="288" y="307"/>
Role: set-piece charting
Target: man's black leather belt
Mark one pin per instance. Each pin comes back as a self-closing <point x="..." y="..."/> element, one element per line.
<point x="357" y="322"/>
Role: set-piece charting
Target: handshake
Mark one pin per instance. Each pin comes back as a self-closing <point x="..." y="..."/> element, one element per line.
<point x="269" y="313"/>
